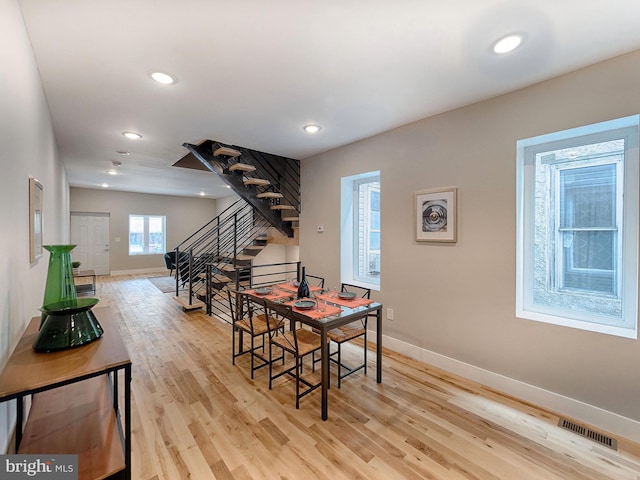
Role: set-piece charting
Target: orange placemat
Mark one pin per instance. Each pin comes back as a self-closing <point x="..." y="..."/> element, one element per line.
<point x="278" y="295"/>
<point x="356" y="302"/>
<point x="329" y="310"/>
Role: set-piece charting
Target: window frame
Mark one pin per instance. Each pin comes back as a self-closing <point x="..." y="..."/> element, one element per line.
<point x="146" y="234"/>
<point x="627" y="281"/>
<point x="352" y="245"/>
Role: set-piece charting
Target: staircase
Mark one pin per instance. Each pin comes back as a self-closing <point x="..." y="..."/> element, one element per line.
<point x="229" y="241"/>
<point x="269" y="187"/>
<point x="269" y="183"/>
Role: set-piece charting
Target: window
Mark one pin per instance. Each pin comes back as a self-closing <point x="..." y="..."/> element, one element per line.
<point x="146" y="234"/>
<point x="360" y="230"/>
<point x="578" y="228"/>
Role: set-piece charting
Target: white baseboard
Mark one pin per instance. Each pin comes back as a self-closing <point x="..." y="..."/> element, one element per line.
<point x="115" y="273"/>
<point x="597" y="417"/>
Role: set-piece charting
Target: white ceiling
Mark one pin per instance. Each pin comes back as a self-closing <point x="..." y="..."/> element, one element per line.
<point x="254" y="72"/>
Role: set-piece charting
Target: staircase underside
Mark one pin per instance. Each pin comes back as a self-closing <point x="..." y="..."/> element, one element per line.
<point x="202" y="157"/>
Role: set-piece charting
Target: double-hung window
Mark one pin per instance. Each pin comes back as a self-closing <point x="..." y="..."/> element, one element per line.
<point x="578" y="228"/>
<point x="146" y="234"/>
<point x="360" y="230"/>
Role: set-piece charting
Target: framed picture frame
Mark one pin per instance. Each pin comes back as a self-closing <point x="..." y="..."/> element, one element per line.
<point x="436" y="215"/>
<point x="35" y="219"/>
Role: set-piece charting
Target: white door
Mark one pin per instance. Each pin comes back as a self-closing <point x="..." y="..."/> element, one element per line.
<point x="90" y="232"/>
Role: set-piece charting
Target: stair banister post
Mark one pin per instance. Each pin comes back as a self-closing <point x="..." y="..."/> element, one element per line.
<point x="177" y="250"/>
<point x="208" y="288"/>
<point x="190" y="277"/>
<point x="235" y="238"/>
<point x="218" y="238"/>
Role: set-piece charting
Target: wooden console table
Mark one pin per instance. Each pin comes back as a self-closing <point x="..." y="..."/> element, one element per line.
<point x="75" y="396"/>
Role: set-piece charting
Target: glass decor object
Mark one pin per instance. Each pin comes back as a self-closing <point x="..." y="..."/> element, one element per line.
<point x="60" y="286"/>
<point x="67" y="324"/>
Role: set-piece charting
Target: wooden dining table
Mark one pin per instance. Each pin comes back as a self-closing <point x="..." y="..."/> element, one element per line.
<point x="338" y="312"/>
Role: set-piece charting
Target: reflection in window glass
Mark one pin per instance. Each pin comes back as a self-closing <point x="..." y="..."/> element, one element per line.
<point x="361" y="233"/>
<point x="577" y="239"/>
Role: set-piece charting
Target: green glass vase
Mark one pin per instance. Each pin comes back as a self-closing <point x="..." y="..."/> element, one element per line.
<point x="68" y="324"/>
<point x="60" y="286"/>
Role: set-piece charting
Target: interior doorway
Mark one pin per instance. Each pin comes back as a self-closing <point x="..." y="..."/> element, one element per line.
<point x="90" y="232"/>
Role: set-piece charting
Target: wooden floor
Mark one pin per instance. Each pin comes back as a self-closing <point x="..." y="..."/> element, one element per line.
<point x="197" y="416"/>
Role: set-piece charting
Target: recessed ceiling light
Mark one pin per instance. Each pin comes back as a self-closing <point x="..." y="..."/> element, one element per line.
<point x="123" y="152"/>
<point x="112" y="172"/>
<point x="105" y="185"/>
<point x="312" y="128"/>
<point x="508" y="43"/>
<point x="116" y="163"/>
<point x="163" y="78"/>
<point x="132" y="135"/>
<point x="202" y="194"/>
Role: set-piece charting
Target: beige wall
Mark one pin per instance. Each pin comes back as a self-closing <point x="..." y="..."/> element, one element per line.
<point x="459" y="300"/>
<point x="27" y="148"/>
<point x="183" y="217"/>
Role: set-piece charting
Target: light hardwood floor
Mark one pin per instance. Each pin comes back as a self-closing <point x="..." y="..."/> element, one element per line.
<point x="195" y="415"/>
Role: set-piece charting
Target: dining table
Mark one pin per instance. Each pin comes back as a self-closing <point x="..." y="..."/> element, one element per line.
<point x="330" y="311"/>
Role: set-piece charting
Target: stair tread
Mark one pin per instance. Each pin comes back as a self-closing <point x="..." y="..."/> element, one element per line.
<point x="226" y="151"/>
<point x="290" y="219"/>
<point x="269" y="195"/>
<point x="215" y="278"/>
<point x="184" y="302"/>
<point x="244" y="257"/>
<point x="257" y="181"/>
<point x="242" y="167"/>
<point x="255" y="247"/>
<point x="282" y="207"/>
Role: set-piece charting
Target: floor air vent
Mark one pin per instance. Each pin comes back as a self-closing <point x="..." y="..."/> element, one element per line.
<point x="588" y="433"/>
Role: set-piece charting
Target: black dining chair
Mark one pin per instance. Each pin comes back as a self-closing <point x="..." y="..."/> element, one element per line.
<point x="347" y="333"/>
<point x="315" y="281"/>
<point x="298" y="342"/>
<point x="246" y="320"/>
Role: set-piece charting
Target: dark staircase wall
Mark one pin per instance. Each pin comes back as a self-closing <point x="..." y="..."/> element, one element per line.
<point x="272" y="188"/>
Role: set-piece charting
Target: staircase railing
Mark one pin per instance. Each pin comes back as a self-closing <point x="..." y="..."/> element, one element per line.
<point x="220" y="243"/>
<point x="258" y="275"/>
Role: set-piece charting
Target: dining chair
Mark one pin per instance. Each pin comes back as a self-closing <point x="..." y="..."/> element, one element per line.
<point x="245" y="321"/>
<point x="315" y="281"/>
<point x="346" y="333"/>
<point x="298" y="342"/>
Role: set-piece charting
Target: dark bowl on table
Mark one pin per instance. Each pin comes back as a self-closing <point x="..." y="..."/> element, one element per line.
<point x="304" y="304"/>
<point x="347" y="295"/>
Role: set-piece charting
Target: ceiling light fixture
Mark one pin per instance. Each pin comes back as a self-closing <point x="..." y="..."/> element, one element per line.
<point x="312" y="128"/>
<point x="112" y="172"/>
<point x="123" y="152"/>
<point x="116" y="163"/>
<point x="202" y="194"/>
<point x="163" y="78"/>
<point x="508" y="43"/>
<point x="132" y="135"/>
<point x="105" y="185"/>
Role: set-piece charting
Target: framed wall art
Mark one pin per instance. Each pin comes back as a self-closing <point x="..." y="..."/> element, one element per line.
<point x="436" y="215"/>
<point x="35" y="219"/>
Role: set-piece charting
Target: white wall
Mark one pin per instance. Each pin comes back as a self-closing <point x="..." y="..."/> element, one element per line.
<point x="458" y="301"/>
<point x="184" y="216"/>
<point x="27" y="148"/>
